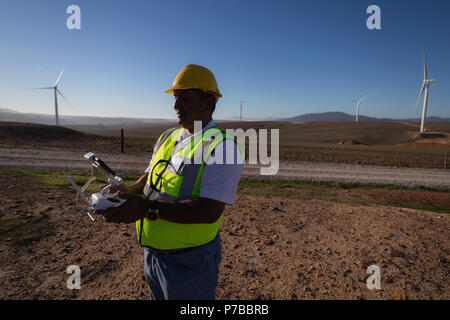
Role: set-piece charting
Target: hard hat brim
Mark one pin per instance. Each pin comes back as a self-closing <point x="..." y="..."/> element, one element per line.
<point x="171" y="90"/>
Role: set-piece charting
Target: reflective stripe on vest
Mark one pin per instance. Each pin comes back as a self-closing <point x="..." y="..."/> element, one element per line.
<point x="179" y="180"/>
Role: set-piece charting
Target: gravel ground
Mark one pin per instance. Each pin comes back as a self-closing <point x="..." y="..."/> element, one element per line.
<point x="69" y="160"/>
<point x="307" y="171"/>
<point x="333" y="172"/>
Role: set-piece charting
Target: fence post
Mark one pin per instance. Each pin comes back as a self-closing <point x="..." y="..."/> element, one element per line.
<point x="445" y="161"/>
<point x="121" y="140"/>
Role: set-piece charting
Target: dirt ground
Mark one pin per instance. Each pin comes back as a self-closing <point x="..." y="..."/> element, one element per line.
<point x="273" y="248"/>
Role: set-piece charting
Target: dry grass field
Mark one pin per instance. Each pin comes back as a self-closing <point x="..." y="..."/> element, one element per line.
<point x="37" y="136"/>
<point x="372" y="143"/>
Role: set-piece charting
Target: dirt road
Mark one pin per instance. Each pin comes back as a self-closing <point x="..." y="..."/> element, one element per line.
<point x="347" y="173"/>
<point x="306" y="171"/>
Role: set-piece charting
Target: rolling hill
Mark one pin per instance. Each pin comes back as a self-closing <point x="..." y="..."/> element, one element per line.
<point x="8" y="115"/>
<point x="345" y="117"/>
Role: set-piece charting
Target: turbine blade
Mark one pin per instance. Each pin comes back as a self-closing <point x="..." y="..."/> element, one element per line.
<point x="60" y="74"/>
<point x="362" y="99"/>
<point x="64" y="98"/>
<point x="420" y="94"/>
<point x="43" y="88"/>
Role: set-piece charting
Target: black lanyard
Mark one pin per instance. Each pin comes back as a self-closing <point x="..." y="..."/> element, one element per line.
<point x="154" y="186"/>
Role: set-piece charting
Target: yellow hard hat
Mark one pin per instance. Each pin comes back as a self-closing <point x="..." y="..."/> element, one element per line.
<point x="195" y="77"/>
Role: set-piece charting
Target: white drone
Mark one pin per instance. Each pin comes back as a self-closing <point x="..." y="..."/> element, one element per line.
<point x="103" y="199"/>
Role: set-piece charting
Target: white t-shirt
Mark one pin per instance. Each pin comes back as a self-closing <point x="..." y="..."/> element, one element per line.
<point x="220" y="177"/>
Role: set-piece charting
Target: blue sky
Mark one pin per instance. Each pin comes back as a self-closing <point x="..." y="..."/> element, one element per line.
<point x="284" y="57"/>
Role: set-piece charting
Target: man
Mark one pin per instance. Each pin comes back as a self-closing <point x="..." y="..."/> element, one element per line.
<point x="178" y="203"/>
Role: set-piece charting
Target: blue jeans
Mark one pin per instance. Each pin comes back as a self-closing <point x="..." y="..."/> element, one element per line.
<point x="188" y="275"/>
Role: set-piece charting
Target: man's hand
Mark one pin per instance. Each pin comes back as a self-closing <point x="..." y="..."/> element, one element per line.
<point x="129" y="211"/>
<point x="113" y="188"/>
<point x="136" y="187"/>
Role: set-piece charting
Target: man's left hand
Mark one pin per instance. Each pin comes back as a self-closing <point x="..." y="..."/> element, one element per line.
<point x="129" y="211"/>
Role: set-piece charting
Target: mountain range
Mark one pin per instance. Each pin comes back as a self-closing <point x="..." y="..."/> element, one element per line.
<point x="9" y="115"/>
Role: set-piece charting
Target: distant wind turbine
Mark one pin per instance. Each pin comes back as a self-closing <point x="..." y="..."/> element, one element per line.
<point x="425" y="85"/>
<point x="56" y="91"/>
<point x="242" y="101"/>
<point x="358" y="102"/>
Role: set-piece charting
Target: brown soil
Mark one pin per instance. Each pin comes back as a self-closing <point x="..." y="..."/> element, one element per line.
<point x="437" y="144"/>
<point x="408" y="157"/>
<point x="273" y="248"/>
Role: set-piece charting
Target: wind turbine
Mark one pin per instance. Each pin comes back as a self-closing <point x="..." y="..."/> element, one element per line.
<point x="358" y="102"/>
<point x="56" y="91"/>
<point x="242" y="101"/>
<point x="425" y="85"/>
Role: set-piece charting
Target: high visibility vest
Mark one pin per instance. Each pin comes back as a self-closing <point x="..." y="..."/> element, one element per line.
<point x="176" y="180"/>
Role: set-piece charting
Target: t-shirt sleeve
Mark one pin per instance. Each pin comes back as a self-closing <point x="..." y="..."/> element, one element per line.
<point x="222" y="173"/>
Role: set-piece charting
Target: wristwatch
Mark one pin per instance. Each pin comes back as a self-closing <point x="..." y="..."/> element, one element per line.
<point x="152" y="212"/>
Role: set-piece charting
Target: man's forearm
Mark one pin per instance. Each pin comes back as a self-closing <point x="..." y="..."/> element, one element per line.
<point x="138" y="186"/>
<point x="200" y="210"/>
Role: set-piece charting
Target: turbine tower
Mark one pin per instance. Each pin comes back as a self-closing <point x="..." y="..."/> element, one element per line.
<point x="425" y="86"/>
<point x="56" y="91"/>
<point x="358" y="102"/>
<point x="242" y="101"/>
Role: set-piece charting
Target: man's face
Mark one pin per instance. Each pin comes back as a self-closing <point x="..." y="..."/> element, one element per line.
<point x="190" y="106"/>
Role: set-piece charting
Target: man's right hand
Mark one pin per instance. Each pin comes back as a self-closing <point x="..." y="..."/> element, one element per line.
<point x="122" y="188"/>
<point x="136" y="187"/>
